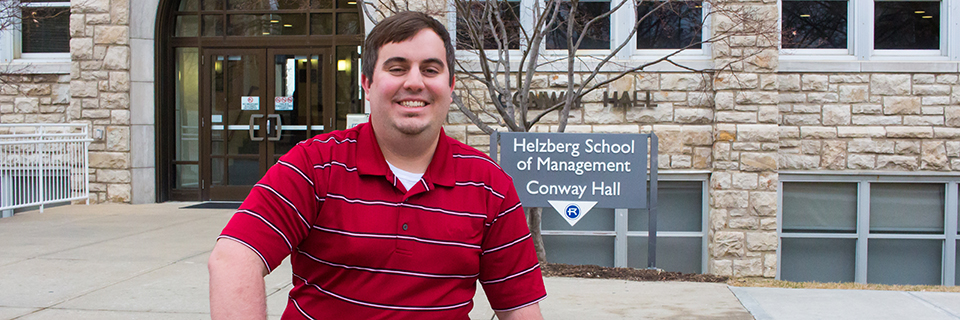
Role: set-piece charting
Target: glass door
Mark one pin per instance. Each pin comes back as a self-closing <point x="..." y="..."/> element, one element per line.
<point x="298" y="94"/>
<point x="258" y="104"/>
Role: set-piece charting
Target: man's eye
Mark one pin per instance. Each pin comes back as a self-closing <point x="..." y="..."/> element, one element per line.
<point x="395" y="70"/>
<point x="431" y="71"/>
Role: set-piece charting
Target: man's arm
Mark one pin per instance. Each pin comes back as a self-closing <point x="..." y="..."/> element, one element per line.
<point x="531" y="312"/>
<point x="236" y="282"/>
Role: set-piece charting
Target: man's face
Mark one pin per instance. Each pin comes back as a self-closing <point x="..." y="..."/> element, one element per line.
<point x="410" y="92"/>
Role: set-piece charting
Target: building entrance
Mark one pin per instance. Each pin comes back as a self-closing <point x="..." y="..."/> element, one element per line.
<point x="259" y="103"/>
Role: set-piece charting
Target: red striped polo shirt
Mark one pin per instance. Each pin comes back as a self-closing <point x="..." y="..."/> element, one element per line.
<point x="364" y="247"/>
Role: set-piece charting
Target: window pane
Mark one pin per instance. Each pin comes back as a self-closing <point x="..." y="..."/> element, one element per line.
<point x="266" y="24"/>
<point x="820" y="260"/>
<point x="321" y="23"/>
<point x="348" y="23"/>
<point x="597" y="37"/>
<point x="46" y="29"/>
<point x="479" y="16"/>
<point x="267" y="5"/>
<point x="679" y="208"/>
<point x="348" y="85"/>
<point x="674" y="25"/>
<point x="906" y="207"/>
<point x="212" y="25"/>
<point x="321" y="4"/>
<point x="188" y="5"/>
<point x="598" y="219"/>
<point x="188" y="176"/>
<point x="814" y="24"/>
<point x="907" y="25"/>
<point x="673" y="254"/>
<point x="212" y="4"/>
<point x="956" y="277"/>
<point x="187" y="26"/>
<point x="595" y="250"/>
<point x="187" y="104"/>
<point x="898" y="261"/>
<point x="819" y="207"/>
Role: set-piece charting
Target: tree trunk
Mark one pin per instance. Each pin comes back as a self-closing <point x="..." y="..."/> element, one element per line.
<point x="533" y="222"/>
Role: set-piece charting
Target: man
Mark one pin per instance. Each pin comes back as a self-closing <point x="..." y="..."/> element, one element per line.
<point x="388" y="220"/>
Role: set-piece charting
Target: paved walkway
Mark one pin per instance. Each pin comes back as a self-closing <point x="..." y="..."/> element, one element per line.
<point x="149" y="262"/>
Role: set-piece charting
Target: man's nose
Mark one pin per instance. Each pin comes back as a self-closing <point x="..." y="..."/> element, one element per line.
<point x="413" y="81"/>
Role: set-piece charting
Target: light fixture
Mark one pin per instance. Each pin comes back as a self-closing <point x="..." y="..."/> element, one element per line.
<point x="288" y="26"/>
<point x="927" y="17"/>
<point x="804" y="15"/>
<point x="698" y="6"/>
<point x="919" y="12"/>
<point x="274" y="21"/>
<point x="266" y="32"/>
<point x="343" y="65"/>
<point x="352" y="3"/>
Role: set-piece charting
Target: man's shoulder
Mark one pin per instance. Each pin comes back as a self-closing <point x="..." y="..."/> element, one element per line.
<point x="339" y="138"/>
<point x="478" y="161"/>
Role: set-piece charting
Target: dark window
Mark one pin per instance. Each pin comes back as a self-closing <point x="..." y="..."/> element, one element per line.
<point x="45" y="29"/>
<point x="674" y="25"/>
<point x="907" y="25"/>
<point x="814" y="24"/>
<point x="597" y="35"/>
<point x="480" y="22"/>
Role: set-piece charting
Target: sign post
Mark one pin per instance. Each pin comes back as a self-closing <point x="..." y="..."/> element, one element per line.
<point x="576" y="172"/>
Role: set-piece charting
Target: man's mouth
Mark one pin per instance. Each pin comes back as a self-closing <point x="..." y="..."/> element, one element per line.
<point x="412" y="104"/>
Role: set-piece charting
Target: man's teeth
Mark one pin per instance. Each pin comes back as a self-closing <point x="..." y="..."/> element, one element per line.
<point x="412" y="103"/>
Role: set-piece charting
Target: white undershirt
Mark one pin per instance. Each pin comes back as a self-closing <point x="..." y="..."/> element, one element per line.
<point x="409" y="179"/>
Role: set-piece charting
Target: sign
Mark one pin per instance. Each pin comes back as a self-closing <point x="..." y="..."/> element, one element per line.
<point x="604" y="170"/>
<point x="353" y="119"/>
<point x="250" y="103"/>
<point x="283" y="103"/>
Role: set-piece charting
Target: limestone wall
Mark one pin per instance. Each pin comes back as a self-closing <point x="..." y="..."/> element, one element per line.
<point x="870" y="121"/>
<point x="681" y="113"/>
<point x="40" y="98"/>
<point x="100" y="92"/>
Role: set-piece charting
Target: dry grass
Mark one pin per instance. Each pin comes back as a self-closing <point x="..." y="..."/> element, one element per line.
<point x="770" y="283"/>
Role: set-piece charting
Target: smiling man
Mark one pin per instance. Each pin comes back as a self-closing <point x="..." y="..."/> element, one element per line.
<point x="388" y="220"/>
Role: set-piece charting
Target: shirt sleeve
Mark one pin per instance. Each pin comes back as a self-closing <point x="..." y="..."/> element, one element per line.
<point x="509" y="270"/>
<point x="279" y="211"/>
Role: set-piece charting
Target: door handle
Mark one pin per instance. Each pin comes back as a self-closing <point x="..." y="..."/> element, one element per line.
<point x="279" y="127"/>
<point x="253" y="123"/>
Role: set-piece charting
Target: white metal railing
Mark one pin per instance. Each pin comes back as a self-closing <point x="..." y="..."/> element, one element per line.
<point x="42" y="164"/>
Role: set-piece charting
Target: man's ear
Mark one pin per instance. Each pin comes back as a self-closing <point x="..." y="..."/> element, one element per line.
<point x="364" y="82"/>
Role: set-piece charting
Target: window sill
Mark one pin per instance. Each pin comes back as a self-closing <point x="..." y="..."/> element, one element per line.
<point x="38" y="66"/>
<point x="789" y="63"/>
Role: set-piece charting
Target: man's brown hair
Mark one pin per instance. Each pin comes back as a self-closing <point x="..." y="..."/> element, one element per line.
<point x="398" y="28"/>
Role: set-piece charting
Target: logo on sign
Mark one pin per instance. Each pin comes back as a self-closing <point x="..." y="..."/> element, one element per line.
<point x="573" y="211"/>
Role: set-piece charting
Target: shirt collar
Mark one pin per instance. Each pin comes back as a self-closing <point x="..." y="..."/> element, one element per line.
<point x="371" y="161"/>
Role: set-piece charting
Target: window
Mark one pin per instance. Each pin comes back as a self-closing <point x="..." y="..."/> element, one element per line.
<point x="597" y="34"/>
<point x="905" y="29"/>
<point x="868" y="229"/>
<point x="45" y="26"/>
<point x="670" y="25"/>
<point x="907" y="25"/>
<point x="42" y="32"/>
<point x="474" y="22"/>
<point x="681" y="235"/>
<point x="255" y="18"/>
<point x="814" y="24"/>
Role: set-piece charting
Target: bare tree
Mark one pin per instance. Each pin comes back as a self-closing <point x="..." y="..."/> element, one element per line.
<point x="509" y="53"/>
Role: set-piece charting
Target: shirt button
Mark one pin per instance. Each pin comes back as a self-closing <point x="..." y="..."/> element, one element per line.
<point x="404" y="227"/>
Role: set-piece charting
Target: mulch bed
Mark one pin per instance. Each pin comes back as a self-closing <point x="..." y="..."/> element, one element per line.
<point x="598" y="272"/>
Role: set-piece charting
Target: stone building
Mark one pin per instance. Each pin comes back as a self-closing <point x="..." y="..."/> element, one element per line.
<point x="829" y="154"/>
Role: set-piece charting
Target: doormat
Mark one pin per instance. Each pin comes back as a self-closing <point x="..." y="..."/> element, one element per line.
<point x="214" y="205"/>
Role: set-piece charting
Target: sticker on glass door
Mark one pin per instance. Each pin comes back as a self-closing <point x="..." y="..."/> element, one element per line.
<point x="283" y="103"/>
<point x="250" y="103"/>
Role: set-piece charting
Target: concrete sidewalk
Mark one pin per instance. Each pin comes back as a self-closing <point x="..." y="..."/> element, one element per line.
<point x="149" y="262"/>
